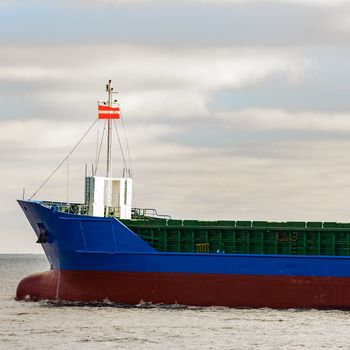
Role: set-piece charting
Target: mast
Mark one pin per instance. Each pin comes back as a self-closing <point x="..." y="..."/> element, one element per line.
<point x="108" y="196"/>
<point x="109" y="90"/>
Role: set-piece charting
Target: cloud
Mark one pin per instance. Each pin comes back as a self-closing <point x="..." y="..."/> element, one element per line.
<point x="154" y="83"/>
<point x="341" y="23"/>
<point x="172" y="23"/>
<point x="275" y="119"/>
<point x="28" y="73"/>
<point x="195" y="66"/>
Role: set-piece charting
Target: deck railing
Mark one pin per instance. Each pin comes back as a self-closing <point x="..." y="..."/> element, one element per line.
<point x="148" y="213"/>
<point x="70" y="208"/>
<point x="83" y="209"/>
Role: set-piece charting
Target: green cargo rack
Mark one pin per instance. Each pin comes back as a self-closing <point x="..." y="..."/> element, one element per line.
<point x="244" y="237"/>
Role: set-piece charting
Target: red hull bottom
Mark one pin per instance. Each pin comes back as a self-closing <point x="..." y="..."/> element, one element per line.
<point x="188" y="289"/>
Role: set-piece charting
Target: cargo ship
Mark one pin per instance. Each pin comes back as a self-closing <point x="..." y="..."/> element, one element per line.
<point x="105" y="250"/>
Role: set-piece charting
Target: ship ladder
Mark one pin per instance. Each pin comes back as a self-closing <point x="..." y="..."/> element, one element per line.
<point x="202" y="247"/>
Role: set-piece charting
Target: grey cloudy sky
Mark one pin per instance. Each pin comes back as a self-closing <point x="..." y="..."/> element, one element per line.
<point x="234" y="109"/>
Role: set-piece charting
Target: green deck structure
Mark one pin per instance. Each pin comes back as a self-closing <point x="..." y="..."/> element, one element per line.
<point x="244" y="237"/>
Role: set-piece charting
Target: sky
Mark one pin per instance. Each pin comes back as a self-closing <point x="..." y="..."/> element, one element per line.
<point x="233" y="109"/>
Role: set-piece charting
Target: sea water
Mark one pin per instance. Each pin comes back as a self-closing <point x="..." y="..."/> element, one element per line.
<point x="48" y="325"/>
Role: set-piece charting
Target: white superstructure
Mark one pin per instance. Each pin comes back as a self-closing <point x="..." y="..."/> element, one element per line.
<point x="106" y="196"/>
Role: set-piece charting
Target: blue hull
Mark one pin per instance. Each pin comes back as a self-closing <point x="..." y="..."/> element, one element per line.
<point x="87" y="249"/>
